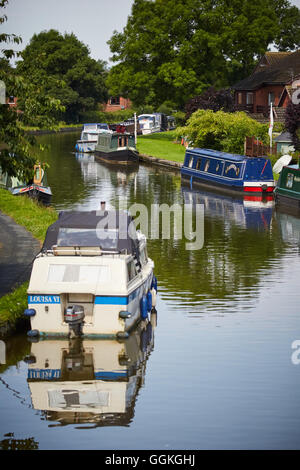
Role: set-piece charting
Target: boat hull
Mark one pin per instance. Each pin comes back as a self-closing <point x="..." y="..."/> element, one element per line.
<point x="105" y="322"/>
<point x="124" y="156"/>
<point x="86" y="146"/>
<point x="42" y="194"/>
<point x="258" y="188"/>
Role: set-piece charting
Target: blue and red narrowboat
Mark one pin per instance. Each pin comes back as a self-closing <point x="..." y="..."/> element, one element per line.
<point x="229" y="172"/>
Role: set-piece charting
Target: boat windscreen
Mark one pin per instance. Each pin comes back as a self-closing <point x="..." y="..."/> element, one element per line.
<point x="107" y="239"/>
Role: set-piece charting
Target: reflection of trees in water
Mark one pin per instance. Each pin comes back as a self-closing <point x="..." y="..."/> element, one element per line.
<point x="10" y="443"/>
<point x="231" y="260"/>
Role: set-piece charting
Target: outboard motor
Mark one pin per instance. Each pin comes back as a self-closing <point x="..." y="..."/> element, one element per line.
<point x="74" y="316"/>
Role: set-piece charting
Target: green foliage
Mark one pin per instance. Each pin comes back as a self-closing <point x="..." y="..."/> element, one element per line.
<point x="222" y="131"/>
<point x="175" y="49"/>
<point x="104" y="116"/>
<point x="76" y="79"/>
<point x="12" y="305"/>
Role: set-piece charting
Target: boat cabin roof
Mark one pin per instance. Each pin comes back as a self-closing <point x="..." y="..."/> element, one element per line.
<point x="111" y="231"/>
<point x="218" y="154"/>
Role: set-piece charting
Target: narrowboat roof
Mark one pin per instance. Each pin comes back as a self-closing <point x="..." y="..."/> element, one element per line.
<point x="222" y="155"/>
<point x="86" y="228"/>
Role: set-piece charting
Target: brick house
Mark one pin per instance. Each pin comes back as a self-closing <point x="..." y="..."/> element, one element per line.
<point x="273" y="80"/>
<point x="117" y="103"/>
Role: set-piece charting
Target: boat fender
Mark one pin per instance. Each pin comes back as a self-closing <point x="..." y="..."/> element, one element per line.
<point x="149" y="301"/>
<point x="153" y="293"/>
<point x="122" y="335"/>
<point x="154" y="283"/>
<point x="29" y="312"/>
<point x="33" y="333"/>
<point x="124" y="315"/>
<point x="144" y="307"/>
<point x="191" y="182"/>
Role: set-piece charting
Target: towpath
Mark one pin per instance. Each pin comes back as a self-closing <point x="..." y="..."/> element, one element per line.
<point x="17" y="251"/>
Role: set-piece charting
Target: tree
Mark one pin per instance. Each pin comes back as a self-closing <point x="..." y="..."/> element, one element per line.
<point x="213" y="99"/>
<point x="65" y="58"/>
<point x="222" y="131"/>
<point x="292" y="123"/>
<point x="175" y="49"/>
<point x="17" y="155"/>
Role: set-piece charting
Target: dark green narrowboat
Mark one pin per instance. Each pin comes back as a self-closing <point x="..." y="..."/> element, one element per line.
<point x="116" y="148"/>
<point x="287" y="191"/>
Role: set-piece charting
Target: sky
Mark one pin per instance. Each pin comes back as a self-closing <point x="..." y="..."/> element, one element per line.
<point x="92" y="21"/>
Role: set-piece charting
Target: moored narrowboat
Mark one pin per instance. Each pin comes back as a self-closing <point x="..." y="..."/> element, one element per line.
<point x="92" y="277"/>
<point x="89" y="136"/>
<point x="229" y="172"/>
<point x="37" y="188"/>
<point x="287" y="192"/>
<point x="117" y="148"/>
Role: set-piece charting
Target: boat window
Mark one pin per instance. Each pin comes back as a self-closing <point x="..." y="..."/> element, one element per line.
<point x="131" y="270"/>
<point x="198" y="164"/>
<point x="106" y="238"/>
<point x="206" y="166"/>
<point x="191" y="162"/>
<point x="232" y="170"/>
<point x="289" y="180"/>
<point x="123" y="141"/>
<point x="143" y="256"/>
<point x="86" y="274"/>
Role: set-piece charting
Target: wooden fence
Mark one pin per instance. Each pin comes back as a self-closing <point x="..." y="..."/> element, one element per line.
<point x="254" y="148"/>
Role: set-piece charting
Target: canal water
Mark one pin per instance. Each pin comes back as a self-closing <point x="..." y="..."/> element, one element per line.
<point x="218" y="367"/>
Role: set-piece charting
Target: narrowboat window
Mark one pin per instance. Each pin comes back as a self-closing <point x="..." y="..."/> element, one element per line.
<point x="217" y="167"/>
<point x="206" y="166"/>
<point x="289" y="180"/>
<point x="198" y="164"/>
<point x="191" y="162"/>
<point x="232" y="170"/>
<point x="131" y="270"/>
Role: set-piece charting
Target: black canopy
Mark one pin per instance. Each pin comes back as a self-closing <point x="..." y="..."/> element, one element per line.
<point x="110" y="230"/>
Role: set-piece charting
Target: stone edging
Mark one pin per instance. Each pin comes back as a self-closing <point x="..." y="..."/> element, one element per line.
<point x="160" y="162"/>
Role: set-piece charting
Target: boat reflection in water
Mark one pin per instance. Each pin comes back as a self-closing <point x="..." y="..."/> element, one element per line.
<point x="253" y="212"/>
<point x="289" y="227"/>
<point x="90" y="381"/>
<point x="92" y="169"/>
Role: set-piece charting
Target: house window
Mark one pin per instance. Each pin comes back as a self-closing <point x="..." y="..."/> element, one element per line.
<point x="115" y="100"/>
<point x="249" y="98"/>
<point x="240" y="98"/>
<point x="271" y="98"/>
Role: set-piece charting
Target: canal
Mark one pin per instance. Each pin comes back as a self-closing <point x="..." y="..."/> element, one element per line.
<point x="219" y="368"/>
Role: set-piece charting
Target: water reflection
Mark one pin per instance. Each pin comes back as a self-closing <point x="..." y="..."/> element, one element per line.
<point x="248" y="212"/>
<point x="89" y="381"/>
<point x="289" y="227"/>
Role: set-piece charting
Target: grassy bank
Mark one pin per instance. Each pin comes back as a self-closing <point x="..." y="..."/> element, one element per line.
<point x="161" y="145"/>
<point x="35" y="219"/>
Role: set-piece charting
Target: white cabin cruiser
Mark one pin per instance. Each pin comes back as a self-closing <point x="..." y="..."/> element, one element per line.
<point x="89" y="136"/>
<point x="92" y="277"/>
<point x="149" y="123"/>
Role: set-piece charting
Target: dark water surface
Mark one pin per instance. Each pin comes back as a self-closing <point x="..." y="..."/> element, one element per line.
<point x="221" y="370"/>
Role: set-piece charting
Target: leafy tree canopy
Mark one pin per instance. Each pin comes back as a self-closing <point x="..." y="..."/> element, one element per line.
<point x="222" y="131"/>
<point x="292" y="123"/>
<point x="175" y="49"/>
<point x="211" y="99"/>
<point x="65" y="58"/>
<point x="35" y="105"/>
